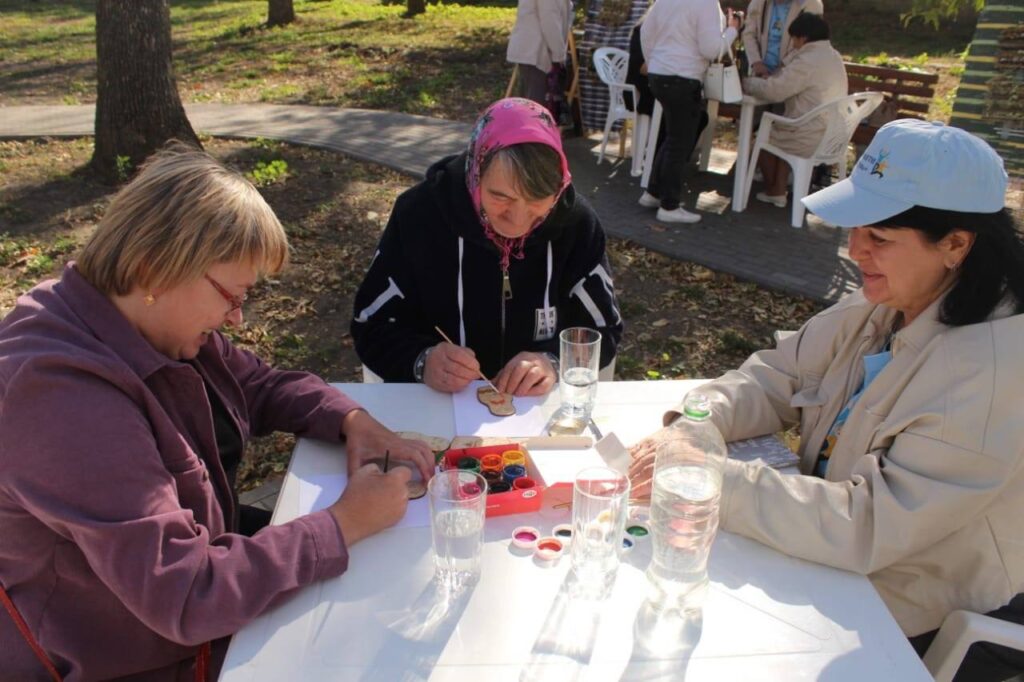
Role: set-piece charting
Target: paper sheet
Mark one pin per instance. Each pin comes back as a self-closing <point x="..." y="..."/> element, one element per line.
<point x="321" y="492"/>
<point x="766" y="450"/>
<point x="472" y="418"/>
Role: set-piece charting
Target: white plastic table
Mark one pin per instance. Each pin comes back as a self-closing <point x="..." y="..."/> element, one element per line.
<point x="768" y="616"/>
<point x="748" y="106"/>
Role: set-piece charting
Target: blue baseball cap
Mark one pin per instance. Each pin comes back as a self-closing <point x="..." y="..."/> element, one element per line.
<point x="915" y="163"/>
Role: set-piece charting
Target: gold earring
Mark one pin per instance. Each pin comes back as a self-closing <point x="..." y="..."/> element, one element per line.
<point x="149" y="299"/>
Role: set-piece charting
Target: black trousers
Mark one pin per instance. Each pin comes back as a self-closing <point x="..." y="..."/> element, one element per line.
<point x="985" y="662"/>
<point x="680" y="100"/>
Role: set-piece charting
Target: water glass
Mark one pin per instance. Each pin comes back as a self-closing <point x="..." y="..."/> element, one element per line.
<point x="579" y="361"/>
<point x="458" y="501"/>
<point x="600" y="502"/>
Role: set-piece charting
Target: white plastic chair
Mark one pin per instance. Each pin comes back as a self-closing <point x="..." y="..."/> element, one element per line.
<point x="610" y="64"/>
<point x="843" y="115"/>
<point x="959" y="631"/>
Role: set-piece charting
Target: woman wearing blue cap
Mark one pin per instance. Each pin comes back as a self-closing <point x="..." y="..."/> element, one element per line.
<point x="907" y="393"/>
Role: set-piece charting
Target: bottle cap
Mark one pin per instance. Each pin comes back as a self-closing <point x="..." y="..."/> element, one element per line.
<point x="563" y="532"/>
<point x="697" y="406"/>
<point x="525" y="537"/>
<point x="491" y="463"/>
<point x="548" y="549"/>
<point x="512" y="472"/>
<point x="469" y="464"/>
<point x="637" y="529"/>
<point x="499" y="487"/>
<point x="510" y="457"/>
<point x="628" y="542"/>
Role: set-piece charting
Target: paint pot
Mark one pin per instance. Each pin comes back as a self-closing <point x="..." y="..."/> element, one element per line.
<point x="469" y="464"/>
<point x="492" y="477"/>
<point x="491" y="463"/>
<point x="638" y="531"/>
<point x="513" y="458"/>
<point x="525" y="537"/>
<point x="499" y="487"/>
<point x="512" y="472"/>
<point x="628" y="542"/>
<point x="523" y="483"/>
<point x="549" y="549"/>
<point x="563" y="532"/>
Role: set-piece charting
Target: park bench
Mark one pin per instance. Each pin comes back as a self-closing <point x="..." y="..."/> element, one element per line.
<point x="907" y="93"/>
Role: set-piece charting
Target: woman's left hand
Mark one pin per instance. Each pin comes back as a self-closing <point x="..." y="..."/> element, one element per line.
<point x="366" y="438"/>
<point x="526" y="374"/>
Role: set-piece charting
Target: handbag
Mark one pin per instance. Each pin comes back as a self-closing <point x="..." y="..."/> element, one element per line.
<point x="722" y="82"/>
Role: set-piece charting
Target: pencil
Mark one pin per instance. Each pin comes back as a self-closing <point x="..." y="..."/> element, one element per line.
<point x="387" y="456"/>
<point x="445" y="337"/>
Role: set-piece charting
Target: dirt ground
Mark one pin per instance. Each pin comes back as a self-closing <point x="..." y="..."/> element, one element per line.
<point x="682" y="320"/>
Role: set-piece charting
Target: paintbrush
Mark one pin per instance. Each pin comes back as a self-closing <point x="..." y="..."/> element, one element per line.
<point x="445" y="337"/>
<point x="387" y="457"/>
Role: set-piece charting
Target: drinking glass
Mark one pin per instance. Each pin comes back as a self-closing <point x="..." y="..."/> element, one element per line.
<point x="600" y="502"/>
<point x="458" y="501"/>
<point x="578" y="360"/>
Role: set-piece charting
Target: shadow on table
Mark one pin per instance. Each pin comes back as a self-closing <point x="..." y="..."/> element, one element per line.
<point x="565" y="643"/>
<point x="663" y="643"/>
<point x="426" y="627"/>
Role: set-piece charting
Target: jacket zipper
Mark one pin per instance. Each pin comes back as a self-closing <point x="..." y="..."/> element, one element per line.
<point x="506" y="295"/>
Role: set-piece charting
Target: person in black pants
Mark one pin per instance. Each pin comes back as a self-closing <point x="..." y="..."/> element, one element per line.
<point x="679" y="38"/>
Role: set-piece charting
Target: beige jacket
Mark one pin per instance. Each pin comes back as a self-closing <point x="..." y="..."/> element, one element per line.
<point x="810" y="77"/>
<point x="925" y="489"/>
<point x="541" y="33"/>
<point x="755" y="26"/>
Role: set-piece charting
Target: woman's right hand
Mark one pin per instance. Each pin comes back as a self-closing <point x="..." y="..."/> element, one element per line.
<point x="450" y="368"/>
<point x="372" y="501"/>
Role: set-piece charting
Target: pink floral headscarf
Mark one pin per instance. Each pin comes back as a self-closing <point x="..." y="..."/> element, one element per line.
<point x="505" y="123"/>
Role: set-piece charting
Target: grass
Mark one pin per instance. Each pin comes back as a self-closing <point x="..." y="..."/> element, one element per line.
<point x="448" y="62"/>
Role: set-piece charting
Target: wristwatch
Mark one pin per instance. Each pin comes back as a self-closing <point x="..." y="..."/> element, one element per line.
<point x="420" y="365"/>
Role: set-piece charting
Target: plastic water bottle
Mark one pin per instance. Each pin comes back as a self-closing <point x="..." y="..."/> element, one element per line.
<point x="684" y="509"/>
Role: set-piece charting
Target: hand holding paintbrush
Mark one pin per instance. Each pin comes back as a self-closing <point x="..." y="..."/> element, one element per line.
<point x="480" y="373"/>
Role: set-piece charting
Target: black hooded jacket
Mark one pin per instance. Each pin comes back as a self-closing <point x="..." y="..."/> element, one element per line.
<point x="435" y="266"/>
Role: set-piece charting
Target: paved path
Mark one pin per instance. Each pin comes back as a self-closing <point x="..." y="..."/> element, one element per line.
<point x="756" y="245"/>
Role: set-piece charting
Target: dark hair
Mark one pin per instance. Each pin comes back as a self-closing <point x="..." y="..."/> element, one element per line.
<point x="811" y="26"/>
<point x="993" y="268"/>
<point x="536" y="168"/>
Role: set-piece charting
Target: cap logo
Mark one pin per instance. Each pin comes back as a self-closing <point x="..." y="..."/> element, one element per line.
<point x="880" y="164"/>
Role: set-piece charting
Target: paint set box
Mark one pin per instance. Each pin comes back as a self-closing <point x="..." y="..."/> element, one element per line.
<point x="514" y="500"/>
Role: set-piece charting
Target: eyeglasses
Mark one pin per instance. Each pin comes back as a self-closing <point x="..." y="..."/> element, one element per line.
<point x="235" y="301"/>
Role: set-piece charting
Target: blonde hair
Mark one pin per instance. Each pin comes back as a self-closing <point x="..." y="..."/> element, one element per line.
<point x="181" y="214"/>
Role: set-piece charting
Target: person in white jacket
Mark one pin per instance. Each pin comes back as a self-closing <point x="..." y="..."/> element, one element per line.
<point x="538" y="40"/>
<point x="679" y="39"/>
<point x="766" y="37"/>
<point x="907" y="393"/>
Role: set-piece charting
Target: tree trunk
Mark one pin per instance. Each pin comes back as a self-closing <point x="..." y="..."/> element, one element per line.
<point x="137" y="104"/>
<point x="414" y="7"/>
<point x="280" y="12"/>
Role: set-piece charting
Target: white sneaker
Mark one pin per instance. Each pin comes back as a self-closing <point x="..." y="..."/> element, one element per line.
<point x="779" y="201"/>
<point x="677" y="215"/>
<point x="648" y="200"/>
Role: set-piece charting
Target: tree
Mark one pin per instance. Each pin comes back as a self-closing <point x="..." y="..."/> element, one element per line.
<point x="280" y="12"/>
<point x="137" y="104"/>
<point x="934" y="11"/>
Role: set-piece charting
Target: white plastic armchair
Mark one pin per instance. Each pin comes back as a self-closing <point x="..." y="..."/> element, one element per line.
<point x="610" y="64"/>
<point x="959" y="631"/>
<point x="843" y="115"/>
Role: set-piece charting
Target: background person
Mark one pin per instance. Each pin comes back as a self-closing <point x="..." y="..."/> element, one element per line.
<point x="124" y="415"/>
<point x="538" y="40"/>
<point x="679" y="38"/>
<point x="766" y="37"/>
<point x="907" y="392"/>
<point x="496" y="248"/>
<point x="813" y="75"/>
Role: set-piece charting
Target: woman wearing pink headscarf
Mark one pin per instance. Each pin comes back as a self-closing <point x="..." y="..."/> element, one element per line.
<point x="495" y="248"/>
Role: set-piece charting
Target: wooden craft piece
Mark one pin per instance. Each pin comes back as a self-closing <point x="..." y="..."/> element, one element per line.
<point x="500" y="404"/>
<point x="435" y="443"/>
<point x="415" y="487"/>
